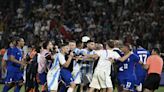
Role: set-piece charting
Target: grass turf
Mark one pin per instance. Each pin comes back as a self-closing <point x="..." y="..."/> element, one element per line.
<point x="161" y="89"/>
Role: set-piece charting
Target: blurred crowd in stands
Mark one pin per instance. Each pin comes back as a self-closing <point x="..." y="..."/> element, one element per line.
<point x="62" y="20"/>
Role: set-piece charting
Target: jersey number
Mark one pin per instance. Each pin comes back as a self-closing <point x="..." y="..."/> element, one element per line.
<point x="143" y="58"/>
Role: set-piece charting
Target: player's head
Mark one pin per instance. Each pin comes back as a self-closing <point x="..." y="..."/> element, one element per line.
<point x="72" y="44"/>
<point x="139" y="43"/>
<point x="110" y="43"/>
<point x="90" y="45"/>
<point x="65" y="48"/>
<point x="99" y="46"/>
<point x="155" y="51"/>
<point x="117" y="43"/>
<point x="20" y="42"/>
<point x="79" y="44"/>
<point x="47" y="45"/>
<point x="125" y="48"/>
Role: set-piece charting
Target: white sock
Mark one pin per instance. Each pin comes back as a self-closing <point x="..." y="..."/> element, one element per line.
<point x="70" y="89"/>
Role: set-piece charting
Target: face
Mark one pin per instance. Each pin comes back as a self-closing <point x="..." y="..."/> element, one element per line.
<point x="50" y="45"/>
<point x="21" y="42"/>
<point x="91" y="45"/>
<point x="66" y="49"/>
<point x="72" y="45"/>
<point x="124" y="49"/>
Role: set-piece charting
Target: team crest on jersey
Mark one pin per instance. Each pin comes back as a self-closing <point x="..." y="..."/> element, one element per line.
<point x="128" y="59"/>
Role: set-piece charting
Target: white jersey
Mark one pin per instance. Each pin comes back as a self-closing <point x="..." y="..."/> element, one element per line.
<point x="104" y="63"/>
<point x="76" y="73"/>
<point x="54" y="72"/>
<point x="76" y="66"/>
<point x="101" y="77"/>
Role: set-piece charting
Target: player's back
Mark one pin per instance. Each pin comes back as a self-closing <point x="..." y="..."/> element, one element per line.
<point x="143" y="55"/>
<point x="129" y="65"/>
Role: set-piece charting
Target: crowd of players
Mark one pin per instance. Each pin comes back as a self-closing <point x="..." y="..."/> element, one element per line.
<point x="82" y="66"/>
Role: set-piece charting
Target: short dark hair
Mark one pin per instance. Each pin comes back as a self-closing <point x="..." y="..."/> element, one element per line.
<point x="78" y="43"/>
<point x="139" y="42"/>
<point x="89" y="41"/>
<point x="73" y="41"/>
<point x="45" y="44"/>
<point x="156" y="50"/>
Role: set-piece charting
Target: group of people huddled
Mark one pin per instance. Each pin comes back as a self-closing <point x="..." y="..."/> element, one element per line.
<point x="82" y="66"/>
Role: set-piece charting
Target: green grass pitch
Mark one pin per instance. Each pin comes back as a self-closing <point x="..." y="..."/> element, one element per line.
<point x="161" y="89"/>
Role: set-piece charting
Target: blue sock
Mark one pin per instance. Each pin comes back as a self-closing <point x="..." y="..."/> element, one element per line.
<point x="63" y="88"/>
<point x="6" y="88"/>
<point x="17" y="89"/>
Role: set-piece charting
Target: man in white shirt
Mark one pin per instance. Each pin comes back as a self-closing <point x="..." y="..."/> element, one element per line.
<point x="101" y="77"/>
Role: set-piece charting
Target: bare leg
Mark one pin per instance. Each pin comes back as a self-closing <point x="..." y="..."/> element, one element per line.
<point x="91" y="89"/>
<point x="109" y="90"/>
<point x="147" y="90"/>
<point x="125" y="91"/>
<point x="81" y="88"/>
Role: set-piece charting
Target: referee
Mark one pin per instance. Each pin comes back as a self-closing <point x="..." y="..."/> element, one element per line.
<point x="154" y="66"/>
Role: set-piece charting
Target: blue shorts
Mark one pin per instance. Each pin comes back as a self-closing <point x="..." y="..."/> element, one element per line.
<point x="120" y="81"/>
<point x="140" y="79"/>
<point x="14" y="77"/>
<point x="129" y="84"/>
<point x="66" y="76"/>
<point x="43" y="78"/>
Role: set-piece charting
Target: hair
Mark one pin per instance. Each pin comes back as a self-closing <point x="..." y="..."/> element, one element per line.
<point x="72" y="41"/>
<point x="38" y="48"/>
<point x="89" y="41"/>
<point x="78" y="43"/>
<point x="156" y="50"/>
<point x="139" y="42"/>
<point x="110" y="43"/>
<point x="45" y="44"/>
<point x="17" y="40"/>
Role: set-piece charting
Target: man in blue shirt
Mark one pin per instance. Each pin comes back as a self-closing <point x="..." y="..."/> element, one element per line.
<point x="128" y="67"/>
<point x="141" y="73"/>
<point x="14" y="64"/>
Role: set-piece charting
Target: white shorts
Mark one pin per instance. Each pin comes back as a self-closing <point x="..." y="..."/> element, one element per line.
<point x="52" y="80"/>
<point x="101" y="79"/>
<point x="77" y="76"/>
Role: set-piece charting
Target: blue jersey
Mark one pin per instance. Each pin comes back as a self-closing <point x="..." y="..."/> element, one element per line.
<point x="17" y="53"/>
<point x="120" y="70"/>
<point x="129" y="66"/>
<point x="141" y="73"/>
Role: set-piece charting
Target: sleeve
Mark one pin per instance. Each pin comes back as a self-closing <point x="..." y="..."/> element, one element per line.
<point x="116" y="55"/>
<point x="83" y="52"/>
<point x="5" y="56"/>
<point x="61" y="59"/>
<point x="11" y="52"/>
<point x="98" y="52"/>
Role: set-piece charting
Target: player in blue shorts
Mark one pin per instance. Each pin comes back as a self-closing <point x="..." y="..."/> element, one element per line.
<point x="128" y="69"/>
<point x="119" y="64"/>
<point x="141" y="73"/>
<point x="14" y="64"/>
